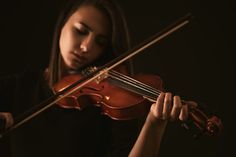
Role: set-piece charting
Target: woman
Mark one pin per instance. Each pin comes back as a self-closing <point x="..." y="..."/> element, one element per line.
<point x="88" y="33"/>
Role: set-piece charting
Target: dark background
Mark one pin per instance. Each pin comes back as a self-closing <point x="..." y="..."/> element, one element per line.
<point x="195" y="62"/>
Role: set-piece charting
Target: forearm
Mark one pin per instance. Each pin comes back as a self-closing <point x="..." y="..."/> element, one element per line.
<point x="148" y="142"/>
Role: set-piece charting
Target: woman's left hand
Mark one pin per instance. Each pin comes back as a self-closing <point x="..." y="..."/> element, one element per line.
<point x="168" y="107"/>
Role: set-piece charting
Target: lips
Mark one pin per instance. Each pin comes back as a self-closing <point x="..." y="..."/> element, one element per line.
<point x="80" y="59"/>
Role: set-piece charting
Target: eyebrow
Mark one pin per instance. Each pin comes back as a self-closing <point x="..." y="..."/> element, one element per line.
<point x="85" y="25"/>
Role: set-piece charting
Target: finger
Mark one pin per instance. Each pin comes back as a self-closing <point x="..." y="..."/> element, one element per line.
<point x="184" y="113"/>
<point x="167" y="106"/>
<point x="191" y="103"/>
<point x="177" y="105"/>
<point x="158" y="106"/>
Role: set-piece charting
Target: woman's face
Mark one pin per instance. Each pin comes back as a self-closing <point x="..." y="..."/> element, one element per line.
<point x="84" y="37"/>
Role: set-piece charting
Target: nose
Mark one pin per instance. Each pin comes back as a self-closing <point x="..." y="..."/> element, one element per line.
<point x="86" y="43"/>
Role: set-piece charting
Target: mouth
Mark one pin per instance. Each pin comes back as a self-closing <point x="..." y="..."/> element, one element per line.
<point x="79" y="59"/>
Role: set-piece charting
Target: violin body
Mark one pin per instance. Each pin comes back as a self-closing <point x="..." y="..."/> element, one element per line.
<point x="118" y="103"/>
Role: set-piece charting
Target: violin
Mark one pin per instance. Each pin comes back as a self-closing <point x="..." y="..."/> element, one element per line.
<point x="123" y="98"/>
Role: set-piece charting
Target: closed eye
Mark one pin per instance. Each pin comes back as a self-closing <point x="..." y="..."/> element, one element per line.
<point x="81" y="31"/>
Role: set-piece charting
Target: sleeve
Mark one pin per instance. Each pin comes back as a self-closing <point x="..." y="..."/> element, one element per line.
<point x="7" y="88"/>
<point x="123" y="136"/>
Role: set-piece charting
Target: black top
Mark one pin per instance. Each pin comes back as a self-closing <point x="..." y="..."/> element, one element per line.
<point x="61" y="132"/>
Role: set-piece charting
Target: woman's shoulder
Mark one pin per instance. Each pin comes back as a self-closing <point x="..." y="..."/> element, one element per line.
<point x="27" y="73"/>
<point x="25" y="78"/>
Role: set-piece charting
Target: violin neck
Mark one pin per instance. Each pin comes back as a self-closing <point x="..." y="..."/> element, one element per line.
<point x="133" y="85"/>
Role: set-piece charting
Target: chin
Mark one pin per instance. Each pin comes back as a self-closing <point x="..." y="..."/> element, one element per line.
<point x="78" y="68"/>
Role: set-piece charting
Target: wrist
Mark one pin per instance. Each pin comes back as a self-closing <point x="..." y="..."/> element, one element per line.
<point x="155" y="122"/>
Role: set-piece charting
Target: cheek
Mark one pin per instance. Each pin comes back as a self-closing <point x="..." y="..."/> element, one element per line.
<point x="65" y="43"/>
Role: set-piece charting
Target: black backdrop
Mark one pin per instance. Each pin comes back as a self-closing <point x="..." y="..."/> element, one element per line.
<point x="195" y="62"/>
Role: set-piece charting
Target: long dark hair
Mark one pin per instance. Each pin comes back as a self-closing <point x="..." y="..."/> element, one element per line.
<point x="120" y="41"/>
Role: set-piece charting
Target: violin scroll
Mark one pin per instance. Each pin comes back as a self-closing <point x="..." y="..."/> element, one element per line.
<point x="210" y="125"/>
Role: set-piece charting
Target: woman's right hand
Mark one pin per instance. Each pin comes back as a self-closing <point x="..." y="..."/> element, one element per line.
<point x="6" y="120"/>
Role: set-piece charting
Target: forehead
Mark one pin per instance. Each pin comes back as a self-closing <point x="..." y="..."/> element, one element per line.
<point x="93" y="18"/>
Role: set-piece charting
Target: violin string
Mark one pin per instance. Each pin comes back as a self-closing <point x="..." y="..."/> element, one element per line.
<point x="133" y="88"/>
<point x="137" y="84"/>
<point x="127" y="81"/>
<point x="134" y="83"/>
